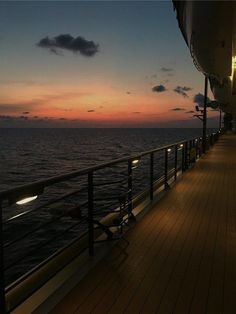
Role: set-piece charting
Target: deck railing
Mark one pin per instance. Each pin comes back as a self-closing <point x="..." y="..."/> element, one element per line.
<point x="83" y="218"/>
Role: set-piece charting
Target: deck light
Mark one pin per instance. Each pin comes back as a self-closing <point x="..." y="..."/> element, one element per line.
<point x="233" y="67"/>
<point x="135" y="163"/>
<point x="234" y="62"/>
<point x="25" y="194"/>
<point x="169" y="150"/>
<point x="26" y="200"/>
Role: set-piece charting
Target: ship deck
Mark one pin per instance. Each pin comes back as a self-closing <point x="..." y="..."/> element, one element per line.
<point x="181" y="255"/>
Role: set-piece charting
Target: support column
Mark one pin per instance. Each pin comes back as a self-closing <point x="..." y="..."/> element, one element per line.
<point x="204" y="121"/>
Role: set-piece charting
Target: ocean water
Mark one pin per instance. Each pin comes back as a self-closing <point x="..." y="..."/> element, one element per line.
<point x="28" y="155"/>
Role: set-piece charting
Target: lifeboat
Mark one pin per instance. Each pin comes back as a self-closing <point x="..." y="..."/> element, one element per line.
<point x="209" y="29"/>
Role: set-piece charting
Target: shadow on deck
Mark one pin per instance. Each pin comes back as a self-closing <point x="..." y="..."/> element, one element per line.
<point x="182" y="254"/>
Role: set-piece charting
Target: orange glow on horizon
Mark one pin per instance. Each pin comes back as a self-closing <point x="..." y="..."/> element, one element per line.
<point x="99" y="103"/>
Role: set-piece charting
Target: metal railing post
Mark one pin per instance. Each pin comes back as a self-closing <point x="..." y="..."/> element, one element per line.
<point x="90" y="213"/>
<point x="2" y="277"/>
<point x="198" y="147"/>
<point x="130" y="187"/>
<point x="176" y="160"/>
<point x="183" y="167"/>
<point x="151" y="175"/>
<point x="204" y="121"/>
<point x="166" y="169"/>
<point x="189" y="152"/>
<point x="185" y="155"/>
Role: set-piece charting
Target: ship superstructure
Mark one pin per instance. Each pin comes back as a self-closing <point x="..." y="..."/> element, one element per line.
<point x="209" y="30"/>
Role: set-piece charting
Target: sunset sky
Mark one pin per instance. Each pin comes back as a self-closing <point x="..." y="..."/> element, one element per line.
<point x="118" y="64"/>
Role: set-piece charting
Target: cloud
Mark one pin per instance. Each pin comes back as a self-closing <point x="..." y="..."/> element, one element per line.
<point x="5" y="117"/>
<point x="136" y="112"/>
<point x="191" y="111"/>
<point x="128" y="93"/>
<point x="159" y="88"/>
<point x="182" y="90"/>
<point x="91" y="110"/>
<point x="11" y="118"/>
<point x="25" y="112"/>
<point x="186" y="89"/>
<point x="11" y="107"/>
<point x="163" y="69"/>
<point x="26" y="106"/>
<point x="177" y="109"/>
<point x="199" y="99"/>
<point x="66" y="41"/>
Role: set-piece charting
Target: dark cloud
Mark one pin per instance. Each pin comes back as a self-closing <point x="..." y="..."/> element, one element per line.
<point x="191" y="111"/>
<point x="177" y="109"/>
<point x="199" y="99"/>
<point x="128" y="93"/>
<point x="136" y="112"/>
<point x="91" y="110"/>
<point x="214" y="105"/>
<point x="66" y="41"/>
<point x="159" y="88"/>
<point x="10" y="107"/>
<point x="3" y="117"/>
<point x="25" y="112"/>
<point x="11" y="121"/>
<point x="186" y="89"/>
<point x="11" y="118"/>
<point x="163" y="69"/>
<point x="182" y="90"/>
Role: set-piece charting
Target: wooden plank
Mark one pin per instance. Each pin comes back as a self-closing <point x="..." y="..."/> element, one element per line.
<point x="130" y="267"/>
<point x="216" y="285"/>
<point x="229" y="302"/>
<point x="182" y="254"/>
<point x="101" y="274"/>
<point x="179" y="271"/>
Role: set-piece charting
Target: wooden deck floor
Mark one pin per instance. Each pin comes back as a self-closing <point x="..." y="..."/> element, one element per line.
<point x="182" y="254"/>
